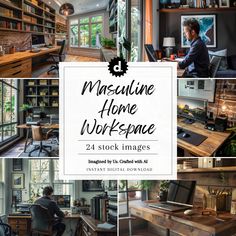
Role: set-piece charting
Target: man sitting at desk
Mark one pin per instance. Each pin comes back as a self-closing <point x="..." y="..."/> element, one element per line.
<point x="197" y="59"/>
<point x="47" y="202"/>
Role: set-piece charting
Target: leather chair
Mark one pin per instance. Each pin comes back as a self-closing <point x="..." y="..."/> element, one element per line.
<point x="37" y="135"/>
<point x="5" y="229"/>
<point x="58" y="57"/>
<point x="214" y="66"/>
<point x="41" y="221"/>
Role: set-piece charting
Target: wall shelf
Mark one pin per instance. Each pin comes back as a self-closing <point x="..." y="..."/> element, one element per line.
<point x="189" y="10"/>
<point x="205" y="170"/>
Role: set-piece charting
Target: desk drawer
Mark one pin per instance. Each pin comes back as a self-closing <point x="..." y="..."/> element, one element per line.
<point x="17" y="221"/>
<point x="87" y="231"/>
<point x="18" y="69"/>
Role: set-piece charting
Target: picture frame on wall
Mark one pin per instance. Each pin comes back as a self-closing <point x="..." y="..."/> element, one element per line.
<point x="18" y="181"/>
<point x="224" y="3"/>
<point x="92" y="186"/>
<point x="17" y="164"/>
<point x="207" y="29"/>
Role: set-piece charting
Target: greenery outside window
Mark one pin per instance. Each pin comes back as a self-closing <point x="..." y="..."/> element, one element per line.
<point x="46" y="172"/>
<point x="86" y="32"/>
<point x="9" y="109"/>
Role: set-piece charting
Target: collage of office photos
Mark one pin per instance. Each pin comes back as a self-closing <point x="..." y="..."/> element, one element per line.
<point x="162" y="31"/>
<point x="191" y="205"/>
<point x="84" y="206"/>
<point x="35" y="35"/>
<point x="29" y="118"/>
<point x="206" y="111"/>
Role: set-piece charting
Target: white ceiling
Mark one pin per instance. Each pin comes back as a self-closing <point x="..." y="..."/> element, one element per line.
<point x="80" y="6"/>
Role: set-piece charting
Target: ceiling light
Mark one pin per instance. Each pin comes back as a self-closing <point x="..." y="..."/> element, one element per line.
<point x="66" y="9"/>
<point x="97" y="5"/>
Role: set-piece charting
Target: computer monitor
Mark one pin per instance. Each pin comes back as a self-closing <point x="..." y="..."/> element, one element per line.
<point x="193" y="109"/>
<point x="181" y="192"/>
<point x="63" y="201"/>
<point x="38" y="40"/>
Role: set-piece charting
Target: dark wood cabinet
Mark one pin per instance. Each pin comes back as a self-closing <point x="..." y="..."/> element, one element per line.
<point x="20" y="225"/>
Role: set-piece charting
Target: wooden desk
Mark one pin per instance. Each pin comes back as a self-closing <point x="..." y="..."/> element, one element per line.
<point x="19" y="64"/>
<point x="89" y="227"/>
<point x="22" y="224"/>
<point x="209" y="146"/>
<point x="107" y="54"/>
<point x="180" y="224"/>
<point x="28" y="128"/>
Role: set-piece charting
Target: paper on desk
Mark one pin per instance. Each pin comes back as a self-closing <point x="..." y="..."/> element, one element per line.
<point x="179" y="59"/>
<point x="105" y="226"/>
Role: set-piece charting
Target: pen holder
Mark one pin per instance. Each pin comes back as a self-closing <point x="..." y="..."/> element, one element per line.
<point x="216" y="202"/>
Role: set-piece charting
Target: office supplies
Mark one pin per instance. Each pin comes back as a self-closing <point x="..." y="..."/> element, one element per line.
<point x="180" y="196"/>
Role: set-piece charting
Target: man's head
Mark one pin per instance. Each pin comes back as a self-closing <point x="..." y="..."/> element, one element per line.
<point x="191" y="29"/>
<point x="48" y="191"/>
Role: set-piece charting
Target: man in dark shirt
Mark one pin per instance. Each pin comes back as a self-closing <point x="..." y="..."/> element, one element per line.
<point x="197" y="59"/>
<point x="47" y="202"/>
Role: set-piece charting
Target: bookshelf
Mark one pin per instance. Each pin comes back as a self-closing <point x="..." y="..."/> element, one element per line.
<point x="42" y="93"/>
<point x="112" y="207"/>
<point x="33" y="16"/>
<point x="113" y="16"/>
<point x="196" y="10"/>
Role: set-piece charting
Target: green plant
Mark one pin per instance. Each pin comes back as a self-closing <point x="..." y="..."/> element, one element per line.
<point x="122" y="184"/>
<point x="25" y="107"/>
<point x="107" y="43"/>
<point x="164" y="185"/>
<point x="147" y="184"/>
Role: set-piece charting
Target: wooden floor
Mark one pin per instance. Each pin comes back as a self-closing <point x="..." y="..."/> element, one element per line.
<point x="41" y="72"/>
<point x="15" y="150"/>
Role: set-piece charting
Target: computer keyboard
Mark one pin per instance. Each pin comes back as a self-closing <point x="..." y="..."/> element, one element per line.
<point x="20" y="214"/>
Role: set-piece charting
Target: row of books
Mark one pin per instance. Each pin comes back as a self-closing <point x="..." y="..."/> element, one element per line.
<point x="6" y="12"/>
<point x="30" y="9"/>
<point x="99" y="207"/>
<point x="10" y="25"/>
<point x="112" y="207"/>
<point x="33" y="28"/>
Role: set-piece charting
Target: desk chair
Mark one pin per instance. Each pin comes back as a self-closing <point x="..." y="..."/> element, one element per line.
<point x="37" y="135"/>
<point x="58" y="57"/>
<point x="214" y="66"/>
<point x="41" y="221"/>
<point x="54" y="119"/>
<point x="150" y="52"/>
<point x="5" y="229"/>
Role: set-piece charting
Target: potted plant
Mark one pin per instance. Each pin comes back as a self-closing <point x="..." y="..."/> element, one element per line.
<point x="164" y="186"/>
<point x="147" y="186"/>
<point x="108" y="43"/>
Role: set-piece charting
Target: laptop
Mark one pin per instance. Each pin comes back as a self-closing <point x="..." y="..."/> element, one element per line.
<point x="180" y="196"/>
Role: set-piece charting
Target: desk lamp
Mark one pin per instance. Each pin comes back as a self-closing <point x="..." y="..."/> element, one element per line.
<point x="169" y="43"/>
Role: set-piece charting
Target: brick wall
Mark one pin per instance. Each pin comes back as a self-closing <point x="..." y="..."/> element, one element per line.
<point x="22" y="41"/>
<point x="225" y="97"/>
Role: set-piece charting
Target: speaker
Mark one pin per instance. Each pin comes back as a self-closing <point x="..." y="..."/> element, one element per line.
<point x="221" y="123"/>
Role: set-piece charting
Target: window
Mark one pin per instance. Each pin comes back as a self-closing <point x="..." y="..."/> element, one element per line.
<point x="130" y="192"/>
<point x="2" y="180"/>
<point x="74" y="33"/>
<point x="87" y="32"/>
<point x="46" y="172"/>
<point x="8" y="109"/>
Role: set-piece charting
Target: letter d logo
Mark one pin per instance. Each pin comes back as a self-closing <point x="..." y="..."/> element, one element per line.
<point x="117" y="68"/>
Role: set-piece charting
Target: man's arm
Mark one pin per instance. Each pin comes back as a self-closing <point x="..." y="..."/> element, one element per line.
<point x="190" y="57"/>
<point x="57" y="210"/>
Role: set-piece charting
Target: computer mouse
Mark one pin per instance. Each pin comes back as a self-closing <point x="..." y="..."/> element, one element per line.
<point x="189" y="212"/>
<point x="185" y="135"/>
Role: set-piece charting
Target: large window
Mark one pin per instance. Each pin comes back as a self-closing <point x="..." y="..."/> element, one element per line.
<point x="2" y="180"/>
<point x="8" y="109"/>
<point x="86" y="32"/>
<point x="44" y="172"/>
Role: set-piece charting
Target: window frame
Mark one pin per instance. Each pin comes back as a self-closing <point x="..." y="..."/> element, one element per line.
<point x="90" y="23"/>
<point x="2" y="123"/>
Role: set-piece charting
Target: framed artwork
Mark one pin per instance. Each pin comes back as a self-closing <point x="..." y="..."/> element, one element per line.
<point x="207" y="29"/>
<point x="224" y="3"/>
<point x="92" y="186"/>
<point x="17" y="164"/>
<point x="18" y="181"/>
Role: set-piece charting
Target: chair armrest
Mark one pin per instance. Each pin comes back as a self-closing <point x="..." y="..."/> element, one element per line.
<point x="48" y="133"/>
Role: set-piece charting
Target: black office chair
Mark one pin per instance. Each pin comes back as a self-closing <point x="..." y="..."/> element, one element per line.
<point x="150" y="52"/>
<point x="5" y="229"/>
<point x="41" y="221"/>
<point x="214" y="66"/>
<point x="58" y="57"/>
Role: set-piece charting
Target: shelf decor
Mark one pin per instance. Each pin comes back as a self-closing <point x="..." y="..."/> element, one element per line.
<point x="207" y="29"/>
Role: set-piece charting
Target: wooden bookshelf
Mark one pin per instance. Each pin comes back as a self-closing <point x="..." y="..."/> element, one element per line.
<point x="42" y="93"/>
<point x="189" y="10"/>
<point x="33" y="16"/>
